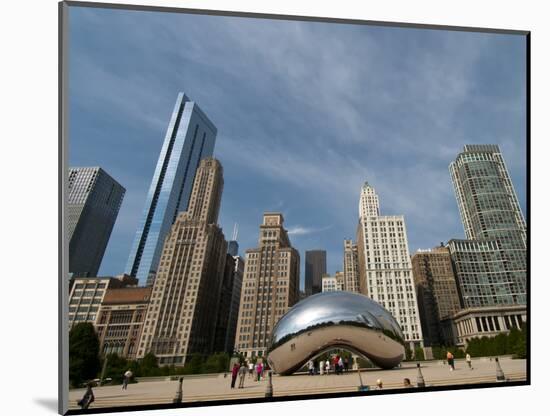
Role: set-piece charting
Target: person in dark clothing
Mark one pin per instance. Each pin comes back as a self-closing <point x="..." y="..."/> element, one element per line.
<point x="88" y="397"/>
<point x="234" y="372"/>
<point x="346" y="364"/>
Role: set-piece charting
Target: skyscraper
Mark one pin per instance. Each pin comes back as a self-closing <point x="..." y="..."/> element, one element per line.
<point x="270" y="286"/>
<point x="190" y="137"/>
<point x="351" y="267"/>
<point x="316" y="267"/>
<point x="436" y="291"/>
<point x="181" y="318"/>
<point x="94" y="199"/>
<point x="491" y="263"/>
<point x="385" y="266"/>
<point x="228" y="308"/>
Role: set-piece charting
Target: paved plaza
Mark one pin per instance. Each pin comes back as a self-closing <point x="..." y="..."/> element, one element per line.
<point x="206" y="388"/>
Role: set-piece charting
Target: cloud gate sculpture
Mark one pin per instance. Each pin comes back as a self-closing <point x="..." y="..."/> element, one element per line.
<point x="332" y="320"/>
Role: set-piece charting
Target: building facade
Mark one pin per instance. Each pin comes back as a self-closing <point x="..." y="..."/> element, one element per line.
<point x="316" y="267"/>
<point x="491" y="263"/>
<point x="182" y="315"/>
<point x="351" y="267"/>
<point x="436" y="291"/>
<point x="333" y="283"/>
<point x="385" y="271"/>
<point x="94" y="199"/>
<point x="87" y="293"/>
<point x="228" y="311"/>
<point x="120" y="320"/>
<point x="483" y="322"/>
<point x="190" y="137"/>
<point x="270" y="286"/>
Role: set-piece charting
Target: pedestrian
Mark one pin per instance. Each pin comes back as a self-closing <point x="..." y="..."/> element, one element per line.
<point x="407" y="383"/>
<point x="242" y="375"/>
<point x="341" y="365"/>
<point x="469" y="361"/>
<point x="451" y="361"/>
<point x="259" y="370"/>
<point x="321" y="367"/>
<point x="127" y="376"/>
<point x="379" y="384"/>
<point x="346" y="364"/>
<point x="88" y="397"/>
<point x="335" y="364"/>
<point x="327" y="366"/>
<point x="251" y="369"/>
<point x="234" y="372"/>
<point x="310" y="367"/>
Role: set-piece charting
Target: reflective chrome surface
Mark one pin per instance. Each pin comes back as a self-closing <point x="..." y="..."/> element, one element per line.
<point x="335" y="320"/>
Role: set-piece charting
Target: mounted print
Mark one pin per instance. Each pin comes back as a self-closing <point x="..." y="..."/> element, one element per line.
<point x="258" y="208"/>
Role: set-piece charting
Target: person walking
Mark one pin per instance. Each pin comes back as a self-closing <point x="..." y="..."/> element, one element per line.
<point x="127" y="376"/>
<point x="242" y="375"/>
<point x="451" y="361"/>
<point x="310" y="367"/>
<point x="234" y="372"/>
<point x="335" y="364"/>
<point x="327" y="366"/>
<point x="88" y="397"/>
<point x="341" y="365"/>
<point x="469" y="361"/>
<point x="251" y="369"/>
<point x="259" y="370"/>
<point x="346" y="364"/>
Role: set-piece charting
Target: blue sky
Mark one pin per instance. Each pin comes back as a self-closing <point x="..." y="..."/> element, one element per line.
<point x="305" y="111"/>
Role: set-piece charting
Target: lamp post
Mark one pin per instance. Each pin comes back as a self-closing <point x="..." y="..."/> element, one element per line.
<point x="179" y="392"/>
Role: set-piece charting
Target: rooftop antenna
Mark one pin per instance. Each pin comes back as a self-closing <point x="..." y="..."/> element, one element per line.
<point x="235" y="232"/>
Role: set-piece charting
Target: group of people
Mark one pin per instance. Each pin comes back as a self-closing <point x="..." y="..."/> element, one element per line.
<point x="255" y="371"/>
<point x="451" y="361"/>
<point x="336" y="364"/>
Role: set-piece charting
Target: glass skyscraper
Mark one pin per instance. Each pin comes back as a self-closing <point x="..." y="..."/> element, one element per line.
<point x="190" y="137"/>
<point x="94" y="199"/>
<point x="316" y="267"/>
<point x="491" y="264"/>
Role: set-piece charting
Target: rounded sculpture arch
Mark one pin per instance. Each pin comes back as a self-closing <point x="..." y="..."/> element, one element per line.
<point x="333" y="320"/>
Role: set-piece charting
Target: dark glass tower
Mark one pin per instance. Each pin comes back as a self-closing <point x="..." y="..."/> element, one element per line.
<point x="190" y="137"/>
<point x="491" y="263"/>
<point x="316" y="267"/>
<point x="94" y="199"/>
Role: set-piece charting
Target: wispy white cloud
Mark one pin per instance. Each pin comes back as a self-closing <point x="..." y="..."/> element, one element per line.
<point x="298" y="230"/>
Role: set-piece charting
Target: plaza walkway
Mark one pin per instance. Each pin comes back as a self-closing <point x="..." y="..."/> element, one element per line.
<point x="436" y="373"/>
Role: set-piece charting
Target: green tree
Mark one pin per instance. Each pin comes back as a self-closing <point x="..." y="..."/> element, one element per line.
<point x="116" y="367"/>
<point x="194" y="365"/>
<point x="148" y="366"/>
<point x="84" y="361"/>
<point x="419" y="354"/>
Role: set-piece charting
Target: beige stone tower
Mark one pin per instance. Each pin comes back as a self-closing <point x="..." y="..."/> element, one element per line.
<point x="351" y="267"/>
<point x="181" y="317"/>
<point x="270" y="286"/>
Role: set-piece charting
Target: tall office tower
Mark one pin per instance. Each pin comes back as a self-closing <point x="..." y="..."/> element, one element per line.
<point x="270" y="286"/>
<point x="189" y="139"/>
<point x="492" y="271"/>
<point x="228" y="309"/>
<point x="94" y="199"/>
<point x="316" y="267"/>
<point x="385" y="271"/>
<point x="436" y="291"/>
<point x="181" y="317"/>
<point x="351" y="267"/>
